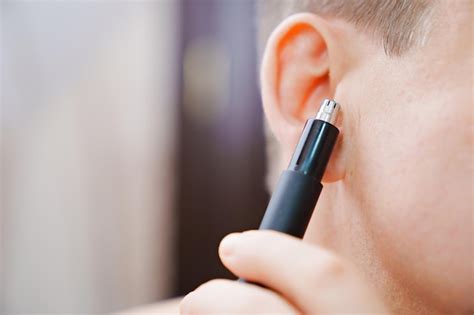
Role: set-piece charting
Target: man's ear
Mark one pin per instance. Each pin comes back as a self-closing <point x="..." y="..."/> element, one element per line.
<point x="296" y="75"/>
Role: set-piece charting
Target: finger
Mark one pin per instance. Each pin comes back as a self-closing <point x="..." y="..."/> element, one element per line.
<point x="225" y="296"/>
<point x="313" y="279"/>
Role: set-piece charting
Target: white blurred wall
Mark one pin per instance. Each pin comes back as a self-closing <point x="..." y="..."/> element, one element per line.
<point x="87" y="152"/>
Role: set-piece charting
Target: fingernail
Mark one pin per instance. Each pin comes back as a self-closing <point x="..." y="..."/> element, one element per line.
<point x="229" y="244"/>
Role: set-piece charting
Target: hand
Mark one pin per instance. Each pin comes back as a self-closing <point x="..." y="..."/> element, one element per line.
<point x="298" y="278"/>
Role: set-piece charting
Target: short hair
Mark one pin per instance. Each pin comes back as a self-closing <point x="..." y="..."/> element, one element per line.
<point x="399" y="24"/>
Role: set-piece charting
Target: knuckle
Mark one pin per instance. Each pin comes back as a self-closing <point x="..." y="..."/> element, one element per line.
<point x="214" y="287"/>
<point x="186" y="304"/>
<point x="220" y="296"/>
<point x="195" y="301"/>
<point x="213" y="284"/>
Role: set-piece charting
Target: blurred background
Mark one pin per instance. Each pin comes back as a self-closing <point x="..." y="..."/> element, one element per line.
<point x="131" y="143"/>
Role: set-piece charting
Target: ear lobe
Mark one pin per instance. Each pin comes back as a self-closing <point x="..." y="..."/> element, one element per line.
<point x="295" y="78"/>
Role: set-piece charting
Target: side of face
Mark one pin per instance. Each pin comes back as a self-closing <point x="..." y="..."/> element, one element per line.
<point x="398" y="192"/>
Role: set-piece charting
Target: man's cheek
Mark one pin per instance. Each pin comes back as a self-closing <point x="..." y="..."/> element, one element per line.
<point x="410" y="199"/>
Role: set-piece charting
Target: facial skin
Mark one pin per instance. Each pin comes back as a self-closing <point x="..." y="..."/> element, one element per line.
<point x="397" y="202"/>
<point x="398" y="195"/>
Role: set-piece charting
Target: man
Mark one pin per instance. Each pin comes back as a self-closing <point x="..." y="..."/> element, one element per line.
<point x="392" y="231"/>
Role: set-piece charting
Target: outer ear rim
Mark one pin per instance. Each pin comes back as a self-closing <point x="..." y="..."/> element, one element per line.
<point x="269" y="75"/>
<point x="289" y="135"/>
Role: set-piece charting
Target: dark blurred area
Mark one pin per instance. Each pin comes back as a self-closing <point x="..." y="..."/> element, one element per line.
<point x="131" y="143"/>
<point x="221" y="142"/>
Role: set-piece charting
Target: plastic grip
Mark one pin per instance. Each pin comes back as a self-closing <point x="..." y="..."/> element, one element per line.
<point x="292" y="204"/>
